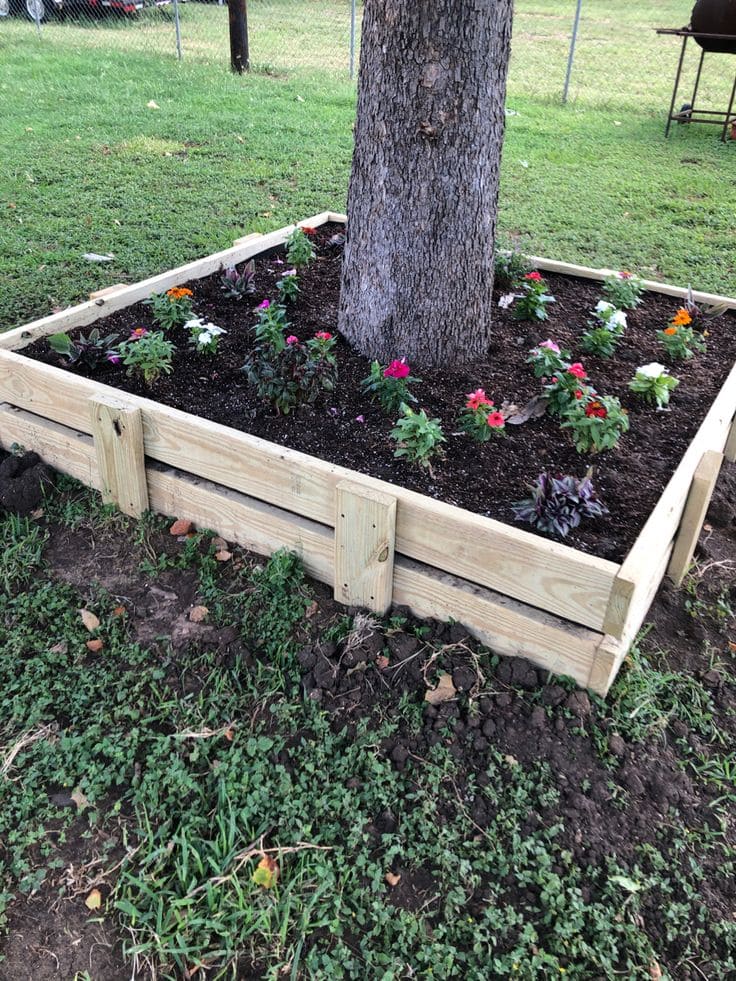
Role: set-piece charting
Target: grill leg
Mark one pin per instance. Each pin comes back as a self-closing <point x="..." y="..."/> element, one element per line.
<point x="697" y="79"/>
<point x="677" y="85"/>
<point x="729" y="113"/>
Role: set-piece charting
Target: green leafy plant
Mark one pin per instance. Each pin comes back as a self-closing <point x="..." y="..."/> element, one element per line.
<point x="271" y="326"/>
<point x="288" y="286"/>
<point x="596" y="424"/>
<point x="294" y="375"/>
<point x="679" y="339"/>
<point x="654" y="384"/>
<point x="419" y="438"/>
<point x="509" y="268"/>
<point x="558" y="504"/>
<point x="567" y="388"/>
<point x="479" y="419"/>
<point x="533" y="303"/>
<point x="623" y="290"/>
<point x="299" y="249"/>
<point x="605" y="330"/>
<point x="390" y="385"/>
<point x="548" y="359"/>
<point x="172" y="308"/>
<point x="148" y="354"/>
<point x="239" y="284"/>
<point x="91" y="351"/>
<point x="204" y="337"/>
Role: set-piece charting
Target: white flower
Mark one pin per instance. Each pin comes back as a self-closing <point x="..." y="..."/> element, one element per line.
<point x="653" y="370"/>
<point x="608" y="313"/>
<point x="605" y="308"/>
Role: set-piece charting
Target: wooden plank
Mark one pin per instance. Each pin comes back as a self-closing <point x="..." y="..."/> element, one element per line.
<point x="117" y="428"/>
<point x="107" y="291"/>
<point x="653" y="285"/>
<point x="365" y="540"/>
<point x="245" y="239"/>
<point x="698" y="499"/>
<point x="66" y="450"/>
<point x="338" y="217"/>
<point x="730" y="449"/>
<point x="536" y="571"/>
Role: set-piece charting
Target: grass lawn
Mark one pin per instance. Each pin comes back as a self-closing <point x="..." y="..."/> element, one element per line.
<point x="87" y="166"/>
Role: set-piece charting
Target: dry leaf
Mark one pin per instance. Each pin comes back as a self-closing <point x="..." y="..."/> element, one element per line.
<point x="198" y="613"/>
<point x="79" y="799"/>
<point x="392" y="878"/>
<point x="219" y="543"/>
<point x="229" y="734"/>
<point x="152" y="105"/>
<point x="511" y="760"/>
<point x="223" y="555"/>
<point x="444" y="691"/>
<point x="94" y="900"/>
<point x="89" y="620"/>
<point x="535" y="408"/>
<point x="180" y="527"/>
<point x="118" y="611"/>
<point x="266" y="873"/>
<point x="506" y="300"/>
<point x="61" y="648"/>
<point x="732" y="646"/>
<point x="38" y="513"/>
<point x="655" y="971"/>
<point x="95" y="645"/>
<point x="381" y="662"/>
<point x="311" y="609"/>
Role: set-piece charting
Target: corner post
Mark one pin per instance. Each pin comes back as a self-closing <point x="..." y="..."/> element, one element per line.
<point x="365" y="540"/>
<point x="117" y="429"/>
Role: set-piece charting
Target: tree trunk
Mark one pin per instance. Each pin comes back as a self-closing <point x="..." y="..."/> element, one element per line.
<point x="418" y="266"/>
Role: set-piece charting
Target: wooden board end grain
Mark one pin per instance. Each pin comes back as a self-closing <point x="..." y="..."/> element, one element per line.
<point x="117" y="428"/>
<point x="698" y="499"/>
<point x="365" y="541"/>
<point x="730" y="449"/>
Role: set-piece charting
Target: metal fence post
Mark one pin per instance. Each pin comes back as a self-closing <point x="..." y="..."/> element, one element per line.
<point x="177" y="27"/>
<point x="352" y="38"/>
<point x="575" y="28"/>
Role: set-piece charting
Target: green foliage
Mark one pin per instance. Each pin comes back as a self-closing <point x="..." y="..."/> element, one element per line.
<point x="149" y="356"/>
<point x="533" y="303"/>
<point x="510" y="268"/>
<point x="299" y="249"/>
<point x="171" y="309"/>
<point x="653" y="386"/>
<point x="389" y="385"/>
<point x="680" y="342"/>
<point x="288" y="286"/>
<point x="597" y="424"/>
<point x="90" y="351"/>
<point x="419" y="438"/>
<point x="623" y="290"/>
<point x="286" y="372"/>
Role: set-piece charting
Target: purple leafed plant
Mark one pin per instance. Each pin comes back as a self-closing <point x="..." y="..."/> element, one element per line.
<point x="558" y="504"/>
<point x="239" y="284"/>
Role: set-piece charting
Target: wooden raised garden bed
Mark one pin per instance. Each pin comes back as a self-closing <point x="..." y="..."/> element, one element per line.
<point x="378" y="544"/>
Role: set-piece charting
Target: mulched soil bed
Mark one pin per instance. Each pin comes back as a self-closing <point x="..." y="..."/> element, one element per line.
<point x="484" y="478"/>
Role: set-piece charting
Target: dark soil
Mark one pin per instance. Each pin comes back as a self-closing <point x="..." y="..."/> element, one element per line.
<point x="23" y="479"/>
<point x="485" y="478"/>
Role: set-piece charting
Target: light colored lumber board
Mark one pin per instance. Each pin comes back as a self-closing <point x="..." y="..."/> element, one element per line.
<point x="653" y="285"/>
<point x="107" y="291"/>
<point x="660" y="528"/>
<point x="86" y="313"/>
<point x="534" y="570"/>
<point x="505" y="626"/>
<point x="365" y="541"/>
<point x="338" y="217"/>
<point x="730" y="449"/>
<point x="246" y="239"/>
<point x="698" y="499"/>
<point x="66" y="450"/>
<point x="117" y="429"/>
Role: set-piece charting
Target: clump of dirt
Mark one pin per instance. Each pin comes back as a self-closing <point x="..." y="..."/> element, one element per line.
<point x="23" y="480"/>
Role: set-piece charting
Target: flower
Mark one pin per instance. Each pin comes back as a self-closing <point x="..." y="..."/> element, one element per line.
<point x="476" y="399"/>
<point x="289" y="272"/>
<point x="496" y="420"/>
<point x="653" y="370"/>
<point x="595" y="410"/>
<point x="292" y="339"/>
<point x="264" y="305"/>
<point x="323" y="335"/>
<point x="113" y="358"/>
<point x="308" y="231"/>
<point x="682" y="318"/>
<point x="577" y="371"/>
<point x="551" y="346"/>
<point x="624" y="274"/>
<point x="360" y="418"/>
<point x="534" y="277"/>
<point x="670" y="331"/>
<point x="397" y="369"/>
<point x="137" y="333"/>
<point x="178" y="293"/>
<point x="578" y="393"/>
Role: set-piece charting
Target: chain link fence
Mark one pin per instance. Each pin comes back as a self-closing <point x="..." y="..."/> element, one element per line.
<point x="284" y="35"/>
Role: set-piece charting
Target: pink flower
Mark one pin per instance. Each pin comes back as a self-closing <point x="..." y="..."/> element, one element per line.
<point x="496" y="420"/>
<point x="534" y="277"/>
<point x="577" y="371"/>
<point x="476" y="399"/>
<point x="553" y="379"/>
<point x="137" y="333"/>
<point x="264" y="305"/>
<point x="289" y="272"/>
<point x="397" y="369"/>
<point x="551" y="346"/>
<point x="292" y="339"/>
<point x="323" y="335"/>
<point x="360" y="418"/>
<point x="578" y="393"/>
<point x="113" y="358"/>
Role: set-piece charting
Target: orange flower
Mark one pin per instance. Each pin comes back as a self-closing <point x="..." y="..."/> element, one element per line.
<point x="682" y="318"/>
<point x="178" y="292"/>
<point x="670" y="331"/>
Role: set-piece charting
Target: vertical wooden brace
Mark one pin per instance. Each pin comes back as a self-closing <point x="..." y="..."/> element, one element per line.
<point x="701" y="491"/>
<point x="730" y="450"/>
<point x="365" y="539"/>
<point x="118" y="434"/>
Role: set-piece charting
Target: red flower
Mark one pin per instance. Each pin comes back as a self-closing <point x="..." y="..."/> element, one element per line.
<point x="578" y="393"/>
<point x="496" y="420"/>
<point x="476" y="399"/>
<point x="577" y="371"/>
<point x="596" y="410"/>
<point x="308" y="231"/>
<point x="323" y="335"/>
<point x="535" y="277"/>
<point x="397" y="369"/>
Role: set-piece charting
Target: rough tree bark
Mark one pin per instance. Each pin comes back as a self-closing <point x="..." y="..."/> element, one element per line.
<point x="418" y="265"/>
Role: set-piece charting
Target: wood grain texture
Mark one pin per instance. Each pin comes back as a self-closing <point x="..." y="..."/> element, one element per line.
<point x="107" y="291"/>
<point x="698" y="499"/>
<point x="730" y="449"/>
<point x="117" y="430"/>
<point x="66" y="450"/>
<point x="365" y="541"/>
<point x="512" y="561"/>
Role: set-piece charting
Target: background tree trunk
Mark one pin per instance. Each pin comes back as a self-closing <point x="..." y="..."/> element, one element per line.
<point x="418" y="265"/>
